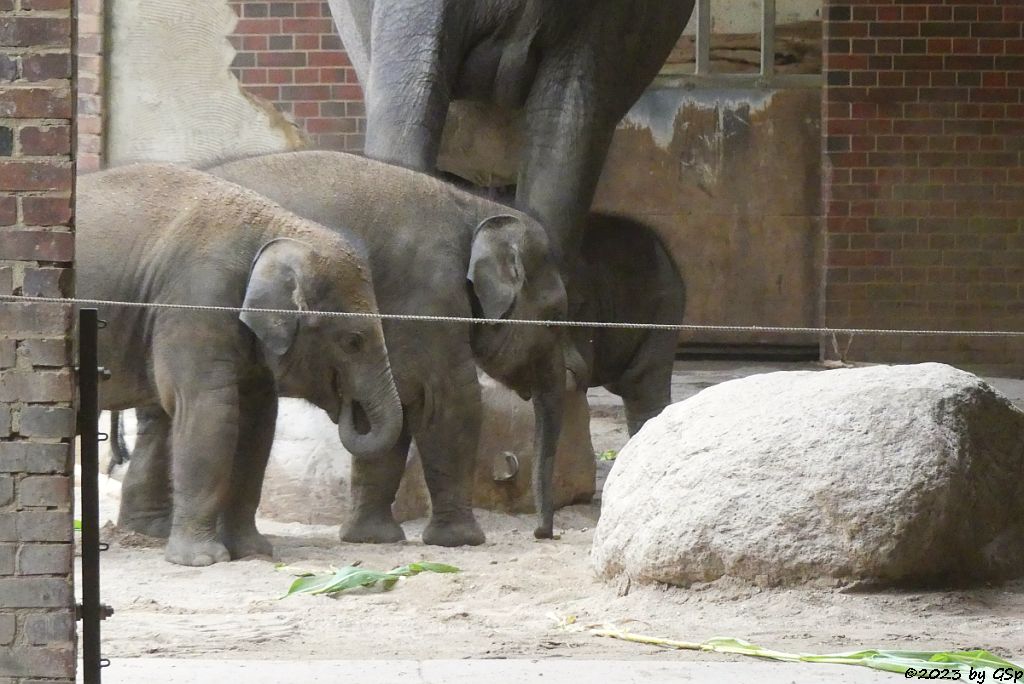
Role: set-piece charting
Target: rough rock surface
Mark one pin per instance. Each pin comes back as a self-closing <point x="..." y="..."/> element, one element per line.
<point x="890" y="474"/>
<point x="308" y="474"/>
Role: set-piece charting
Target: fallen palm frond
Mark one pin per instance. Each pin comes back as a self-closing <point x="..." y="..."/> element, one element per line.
<point x="908" y="663"/>
<point x="352" y="577"/>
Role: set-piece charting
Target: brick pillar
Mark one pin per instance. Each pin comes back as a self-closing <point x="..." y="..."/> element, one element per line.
<point x="924" y="189"/>
<point x="37" y="419"/>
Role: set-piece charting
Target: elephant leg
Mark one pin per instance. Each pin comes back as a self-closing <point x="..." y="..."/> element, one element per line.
<point x="646" y="388"/>
<point x="567" y="140"/>
<point x="119" y="453"/>
<point x="146" y="490"/>
<point x="408" y="90"/>
<point x="375" y="481"/>
<point x="641" y="409"/>
<point x="203" y="444"/>
<point x="448" y="441"/>
<point x="257" y="417"/>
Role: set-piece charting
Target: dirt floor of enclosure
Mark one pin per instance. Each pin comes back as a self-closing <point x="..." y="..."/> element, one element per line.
<point x="512" y="594"/>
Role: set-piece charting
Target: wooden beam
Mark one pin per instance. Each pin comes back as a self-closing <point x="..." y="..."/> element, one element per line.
<point x="767" y="38"/>
<point x="703" y="37"/>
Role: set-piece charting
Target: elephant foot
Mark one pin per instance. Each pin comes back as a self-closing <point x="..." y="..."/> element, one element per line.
<point x="373" y="530"/>
<point x="152" y="524"/>
<point x="247" y="544"/>
<point x="461" y="531"/>
<point x="195" y="553"/>
<point x="544" y="532"/>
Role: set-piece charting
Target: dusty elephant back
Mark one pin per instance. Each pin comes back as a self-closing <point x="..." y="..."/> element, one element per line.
<point x="144" y="227"/>
<point x="141" y="227"/>
<point x="416" y="228"/>
<point x="327" y="186"/>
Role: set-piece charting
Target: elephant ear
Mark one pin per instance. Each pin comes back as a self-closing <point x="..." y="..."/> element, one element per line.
<point x="495" y="265"/>
<point x="275" y="282"/>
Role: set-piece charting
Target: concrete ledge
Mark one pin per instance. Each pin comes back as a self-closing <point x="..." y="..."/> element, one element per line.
<point x="548" y="671"/>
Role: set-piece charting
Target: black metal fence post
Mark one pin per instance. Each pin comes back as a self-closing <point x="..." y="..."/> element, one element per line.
<point x="88" y="430"/>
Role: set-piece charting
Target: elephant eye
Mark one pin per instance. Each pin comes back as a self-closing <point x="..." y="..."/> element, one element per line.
<point x="353" y="343"/>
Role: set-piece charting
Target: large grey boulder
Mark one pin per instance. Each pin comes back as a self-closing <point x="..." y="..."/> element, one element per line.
<point x="891" y="474"/>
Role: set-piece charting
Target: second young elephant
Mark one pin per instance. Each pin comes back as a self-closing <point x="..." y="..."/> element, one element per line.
<point x="625" y="275"/>
<point x="165" y="235"/>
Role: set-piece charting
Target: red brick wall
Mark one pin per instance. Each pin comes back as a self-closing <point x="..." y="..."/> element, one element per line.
<point x="289" y="53"/>
<point x="924" y="189"/>
<point x="37" y="419"/>
<point x="90" y="84"/>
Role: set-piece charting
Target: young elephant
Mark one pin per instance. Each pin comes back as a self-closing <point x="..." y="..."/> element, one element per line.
<point x="435" y="250"/>
<point x="167" y="235"/>
<point x="625" y="275"/>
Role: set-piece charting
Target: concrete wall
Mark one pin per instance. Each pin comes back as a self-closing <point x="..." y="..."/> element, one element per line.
<point x="731" y="181"/>
<point x="172" y="96"/>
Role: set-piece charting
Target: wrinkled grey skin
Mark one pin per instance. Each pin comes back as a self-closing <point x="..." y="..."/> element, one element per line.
<point x="574" y="68"/>
<point x="163" y="234"/>
<point x="625" y="275"/>
<point x="435" y="250"/>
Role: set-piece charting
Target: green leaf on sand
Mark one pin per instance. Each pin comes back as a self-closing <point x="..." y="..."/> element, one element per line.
<point x="889" y="661"/>
<point x="352" y="577"/>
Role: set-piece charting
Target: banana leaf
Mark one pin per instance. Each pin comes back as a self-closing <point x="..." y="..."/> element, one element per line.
<point x="902" y="662"/>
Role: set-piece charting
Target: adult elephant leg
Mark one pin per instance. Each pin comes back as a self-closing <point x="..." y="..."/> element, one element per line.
<point x="448" y="441"/>
<point x="567" y="140"/>
<point x="408" y="89"/>
<point x="375" y="481"/>
<point x="203" y="442"/>
<point x="146" y="490"/>
<point x="257" y="417"/>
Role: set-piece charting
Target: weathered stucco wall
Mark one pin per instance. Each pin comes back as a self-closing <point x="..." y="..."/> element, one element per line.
<point x="731" y="181"/>
<point x="172" y="96"/>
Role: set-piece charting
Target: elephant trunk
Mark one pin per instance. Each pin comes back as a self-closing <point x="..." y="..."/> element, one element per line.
<point x="371" y="420"/>
<point x="548" y="411"/>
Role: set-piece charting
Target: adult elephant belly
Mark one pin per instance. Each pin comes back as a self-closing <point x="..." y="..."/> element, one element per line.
<point x="553" y="79"/>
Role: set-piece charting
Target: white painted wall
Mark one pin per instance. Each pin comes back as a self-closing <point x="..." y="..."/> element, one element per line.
<point x="172" y="95"/>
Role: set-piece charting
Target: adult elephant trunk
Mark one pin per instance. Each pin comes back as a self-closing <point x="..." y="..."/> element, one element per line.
<point x="371" y="419"/>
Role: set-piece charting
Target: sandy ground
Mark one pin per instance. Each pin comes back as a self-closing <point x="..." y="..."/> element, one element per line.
<point x="512" y="594"/>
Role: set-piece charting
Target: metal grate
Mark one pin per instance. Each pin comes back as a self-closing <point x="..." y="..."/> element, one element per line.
<point x="766" y="77"/>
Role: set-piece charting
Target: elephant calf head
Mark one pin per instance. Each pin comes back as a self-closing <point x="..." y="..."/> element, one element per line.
<point x="512" y="275"/>
<point x="340" y="364"/>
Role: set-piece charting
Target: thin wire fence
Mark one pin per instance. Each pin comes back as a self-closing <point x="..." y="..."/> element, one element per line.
<point x="680" y="327"/>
